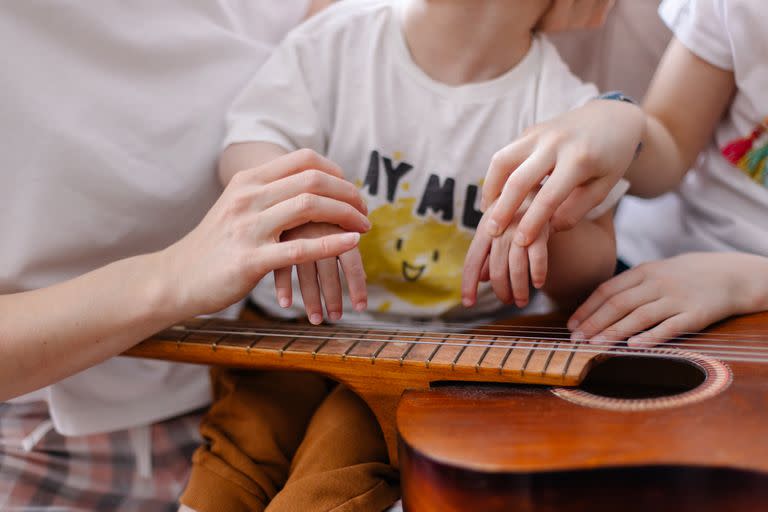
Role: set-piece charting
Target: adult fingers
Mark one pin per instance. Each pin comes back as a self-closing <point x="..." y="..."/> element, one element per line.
<point x="499" y="269"/>
<point x="503" y="163"/>
<point x="525" y="179"/>
<point x="615" y="308"/>
<point x="474" y="263"/>
<point x="292" y="163"/>
<point x="313" y="182"/>
<point x="310" y="292"/>
<point x="642" y="318"/>
<point x="306" y="208"/>
<point x="538" y="258"/>
<point x="283" y="287"/>
<point x="605" y="291"/>
<point x="302" y="250"/>
<point x="518" y="274"/>
<point x="547" y="200"/>
<point x="330" y="286"/>
<point x="354" y="275"/>
<point x="580" y="203"/>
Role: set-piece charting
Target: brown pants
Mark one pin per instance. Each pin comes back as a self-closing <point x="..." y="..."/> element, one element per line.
<point x="288" y="442"/>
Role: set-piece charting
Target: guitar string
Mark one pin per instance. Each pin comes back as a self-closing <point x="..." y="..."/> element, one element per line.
<point x="525" y="334"/>
<point x="664" y="351"/>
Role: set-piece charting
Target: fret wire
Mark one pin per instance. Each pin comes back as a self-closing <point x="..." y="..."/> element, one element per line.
<point x="352" y="346"/>
<point x="485" y="352"/>
<point x="410" y="347"/>
<point x="285" y="347"/>
<point x="256" y="340"/>
<point x="527" y="360"/>
<point x="568" y="361"/>
<point x="461" y="351"/>
<point x="378" y="350"/>
<point x="549" y="359"/>
<point x="434" y="351"/>
<point x="218" y="340"/>
<point x="322" y="344"/>
<point x="506" y="356"/>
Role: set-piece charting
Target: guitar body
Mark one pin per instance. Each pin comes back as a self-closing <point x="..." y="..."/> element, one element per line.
<point x="682" y="434"/>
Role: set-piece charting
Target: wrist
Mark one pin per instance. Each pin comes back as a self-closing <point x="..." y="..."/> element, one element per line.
<point x="159" y="290"/>
<point x="751" y="283"/>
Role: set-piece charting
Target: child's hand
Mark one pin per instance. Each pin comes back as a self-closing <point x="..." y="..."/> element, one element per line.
<point x="671" y="297"/>
<point x="507" y="265"/>
<point x="584" y="152"/>
<point x="323" y="277"/>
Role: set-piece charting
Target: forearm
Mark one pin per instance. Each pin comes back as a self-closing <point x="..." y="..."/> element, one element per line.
<point x="246" y="155"/>
<point x="49" y="334"/>
<point x="580" y="260"/>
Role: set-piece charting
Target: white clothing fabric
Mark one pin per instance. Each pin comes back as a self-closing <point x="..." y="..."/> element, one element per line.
<point x="111" y="116"/>
<point x="345" y="85"/>
<point x="720" y="206"/>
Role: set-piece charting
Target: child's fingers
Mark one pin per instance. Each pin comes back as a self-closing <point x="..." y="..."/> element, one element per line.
<point x="518" y="274"/>
<point x="503" y="163"/>
<point x="283" y="287"/>
<point x="640" y="319"/>
<point x="553" y="193"/>
<point x="485" y="273"/>
<point x="474" y="263"/>
<point x="526" y="178"/>
<point x="604" y="292"/>
<point x="580" y="202"/>
<point x="499" y="270"/>
<point x="310" y="292"/>
<point x="614" y="309"/>
<point x="354" y="275"/>
<point x="330" y="286"/>
<point x="667" y="330"/>
<point x="538" y="258"/>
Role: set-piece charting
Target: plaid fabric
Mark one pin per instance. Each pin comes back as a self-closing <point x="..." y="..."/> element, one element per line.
<point x="97" y="472"/>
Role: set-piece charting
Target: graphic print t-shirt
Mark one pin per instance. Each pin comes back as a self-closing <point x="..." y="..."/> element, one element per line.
<point x="345" y="85"/>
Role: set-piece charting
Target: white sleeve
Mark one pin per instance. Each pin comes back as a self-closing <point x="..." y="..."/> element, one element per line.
<point x="277" y="106"/>
<point x="700" y="26"/>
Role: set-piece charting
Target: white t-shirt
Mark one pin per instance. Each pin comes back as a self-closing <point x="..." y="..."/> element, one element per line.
<point x="111" y="117"/>
<point x="345" y="85"/>
<point x="721" y="205"/>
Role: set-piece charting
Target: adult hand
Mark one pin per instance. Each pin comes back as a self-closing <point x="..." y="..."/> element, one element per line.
<point x="239" y="240"/>
<point x="662" y="300"/>
<point x="322" y="276"/>
<point x="584" y="153"/>
<point x="575" y="14"/>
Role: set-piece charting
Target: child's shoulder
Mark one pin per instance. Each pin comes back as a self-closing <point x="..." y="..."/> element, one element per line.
<point x="357" y="16"/>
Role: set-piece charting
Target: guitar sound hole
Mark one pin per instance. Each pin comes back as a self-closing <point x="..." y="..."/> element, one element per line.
<point x="632" y="377"/>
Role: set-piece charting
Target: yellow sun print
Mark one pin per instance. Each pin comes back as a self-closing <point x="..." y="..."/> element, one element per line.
<point x="419" y="260"/>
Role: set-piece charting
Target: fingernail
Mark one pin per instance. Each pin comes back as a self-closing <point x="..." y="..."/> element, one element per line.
<point x="577" y="336"/>
<point x="467" y="302"/>
<point x="599" y="340"/>
<point x="521" y="303"/>
<point x="284" y="302"/>
<point x="361" y="306"/>
<point x="572" y="324"/>
<point x="521" y="239"/>
<point x="316" y="319"/>
<point x="334" y="316"/>
<point x="638" y="343"/>
<point x="492" y="227"/>
<point x="351" y="238"/>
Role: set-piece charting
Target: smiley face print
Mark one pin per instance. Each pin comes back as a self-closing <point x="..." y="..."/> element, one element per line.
<point x="419" y="260"/>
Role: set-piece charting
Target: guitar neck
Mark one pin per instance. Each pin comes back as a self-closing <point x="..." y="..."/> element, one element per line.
<point x="481" y="355"/>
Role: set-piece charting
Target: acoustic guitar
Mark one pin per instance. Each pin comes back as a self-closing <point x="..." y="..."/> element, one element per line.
<point x="513" y="416"/>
